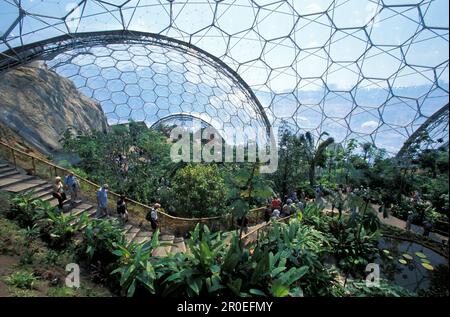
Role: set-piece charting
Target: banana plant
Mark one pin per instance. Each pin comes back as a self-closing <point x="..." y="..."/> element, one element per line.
<point x="26" y="210"/>
<point x="98" y="241"/>
<point x="135" y="268"/>
<point x="199" y="272"/>
<point x="59" y="228"/>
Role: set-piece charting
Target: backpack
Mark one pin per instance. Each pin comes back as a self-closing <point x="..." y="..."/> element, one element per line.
<point x="148" y="217"/>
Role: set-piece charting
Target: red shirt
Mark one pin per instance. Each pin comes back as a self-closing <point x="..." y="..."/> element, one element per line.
<point x="276" y="203"/>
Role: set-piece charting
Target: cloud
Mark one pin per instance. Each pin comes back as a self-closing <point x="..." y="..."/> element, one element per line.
<point x="370" y="125"/>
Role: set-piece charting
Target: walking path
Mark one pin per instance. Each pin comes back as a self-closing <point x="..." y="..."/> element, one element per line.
<point x="398" y="223"/>
<point x="14" y="181"/>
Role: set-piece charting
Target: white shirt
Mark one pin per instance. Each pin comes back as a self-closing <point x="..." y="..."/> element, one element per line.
<point x="154" y="215"/>
<point x="276" y="213"/>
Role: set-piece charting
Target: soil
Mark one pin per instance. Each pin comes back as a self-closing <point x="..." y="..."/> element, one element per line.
<point x="7" y="264"/>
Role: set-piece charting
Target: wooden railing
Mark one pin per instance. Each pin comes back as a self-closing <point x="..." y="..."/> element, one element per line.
<point x="176" y="225"/>
<point x="255" y="234"/>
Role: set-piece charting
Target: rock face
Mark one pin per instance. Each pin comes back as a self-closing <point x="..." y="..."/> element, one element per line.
<point x="39" y="105"/>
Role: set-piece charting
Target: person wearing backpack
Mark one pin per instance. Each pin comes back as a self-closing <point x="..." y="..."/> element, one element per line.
<point x="152" y="216"/>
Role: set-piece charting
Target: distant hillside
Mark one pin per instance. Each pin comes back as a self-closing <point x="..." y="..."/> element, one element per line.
<point x="38" y="105"/>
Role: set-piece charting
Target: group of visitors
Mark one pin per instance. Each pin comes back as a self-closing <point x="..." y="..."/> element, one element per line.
<point x="122" y="208"/>
<point x="71" y="186"/>
<point x="276" y="209"/>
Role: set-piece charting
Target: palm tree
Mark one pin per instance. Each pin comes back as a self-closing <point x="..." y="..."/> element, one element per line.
<point x="366" y="149"/>
<point x="314" y="153"/>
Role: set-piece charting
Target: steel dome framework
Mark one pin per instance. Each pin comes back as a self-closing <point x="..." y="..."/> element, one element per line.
<point x="374" y="70"/>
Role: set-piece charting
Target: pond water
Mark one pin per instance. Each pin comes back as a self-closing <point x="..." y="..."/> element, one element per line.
<point x="411" y="265"/>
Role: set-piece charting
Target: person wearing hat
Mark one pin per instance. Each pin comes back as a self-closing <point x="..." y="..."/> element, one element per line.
<point x="102" y="201"/>
<point x="58" y="192"/>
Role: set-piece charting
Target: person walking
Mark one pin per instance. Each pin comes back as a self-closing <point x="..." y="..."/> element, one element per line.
<point x="276" y="203"/>
<point x="152" y="216"/>
<point x="288" y="208"/>
<point x="58" y="192"/>
<point x="427" y="226"/>
<point x="102" y="201"/>
<point x="122" y="209"/>
<point x="276" y="214"/>
<point x="409" y="221"/>
<point x="72" y="186"/>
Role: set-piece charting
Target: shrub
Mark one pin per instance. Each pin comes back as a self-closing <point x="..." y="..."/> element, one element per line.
<point x="26" y="210"/>
<point x="22" y="280"/>
<point x="99" y="239"/>
<point x="198" y="191"/>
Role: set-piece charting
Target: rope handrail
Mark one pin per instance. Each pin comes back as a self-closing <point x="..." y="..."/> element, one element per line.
<point x="267" y="224"/>
<point x="112" y="192"/>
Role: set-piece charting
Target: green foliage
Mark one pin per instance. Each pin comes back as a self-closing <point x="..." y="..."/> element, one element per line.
<point x="22" y="280"/>
<point x="384" y="289"/>
<point x="100" y="236"/>
<point x="198" y="190"/>
<point x="135" y="268"/>
<point x="26" y="210"/>
<point x="246" y="188"/>
<point x="146" y="159"/>
<point x="58" y="228"/>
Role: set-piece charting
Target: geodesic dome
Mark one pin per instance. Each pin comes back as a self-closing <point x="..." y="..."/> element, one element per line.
<point x="374" y="70"/>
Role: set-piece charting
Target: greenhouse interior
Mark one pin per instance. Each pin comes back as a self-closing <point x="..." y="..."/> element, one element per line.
<point x="224" y="148"/>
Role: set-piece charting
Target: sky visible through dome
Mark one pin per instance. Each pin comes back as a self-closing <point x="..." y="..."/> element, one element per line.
<point x="367" y="69"/>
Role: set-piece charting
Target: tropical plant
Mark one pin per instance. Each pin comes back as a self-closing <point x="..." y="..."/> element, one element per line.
<point x="25" y="209"/>
<point x="22" y="279"/>
<point x="314" y="153"/>
<point x="58" y="228"/>
<point x="246" y="187"/>
<point x="383" y="289"/>
<point x="198" y="190"/>
<point x="135" y="268"/>
<point x="99" y="239"/>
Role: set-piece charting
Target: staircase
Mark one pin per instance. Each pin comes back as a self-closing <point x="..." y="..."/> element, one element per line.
<point x="14" y="181"/>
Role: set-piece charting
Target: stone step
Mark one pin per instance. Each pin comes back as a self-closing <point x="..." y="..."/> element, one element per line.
<point x="47" y="197"/>
<point x="131" y="234"/>
<point x="6" y="174"/>
<point x="14" y="179"/>
<point x="42" y="191"/>
<point x="91" y="213"/>
<point x="164" y="249"/>
<point x="80" y="208"/>
<point x="179" y="246"/>
<point x="166" y="237"/>
<point x="143" y="236"/>
<point x="126" y="228"/>
<point x="5" y="168"/>
<point x="23" y="186"/>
